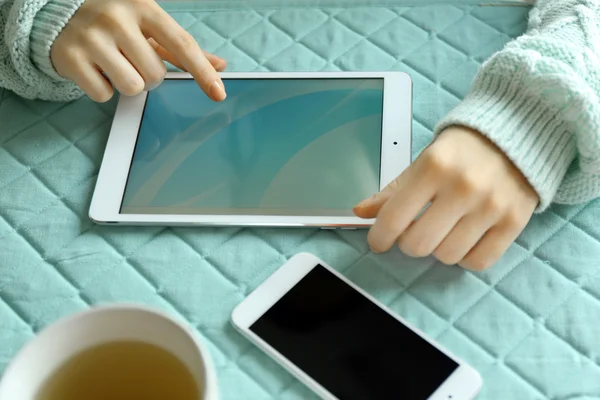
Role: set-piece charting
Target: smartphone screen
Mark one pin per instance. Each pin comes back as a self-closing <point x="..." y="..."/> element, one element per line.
<point x="349" y="345"/>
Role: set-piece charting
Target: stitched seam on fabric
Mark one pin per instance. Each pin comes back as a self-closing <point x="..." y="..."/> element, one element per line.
<point x="492" y="286"/>
<point x="508" y="298"/>
<point x="450" y="324"/>
<point x="294" y="41"/>
<point x="206" y="257"/>
<point x="22" y="228"/>
<point x="581" y="229"/>
<point x="328" y="19"/>
<point x="19" y="227"/>
<point x="30" y="170"/>
<point x="362" y="39"/>
<point x="231" y="39"/>
<point x="35" y="122"/>
<point x="13" y="308"/>
<point x="469" y="11"/>
<point x="58" y="272"/>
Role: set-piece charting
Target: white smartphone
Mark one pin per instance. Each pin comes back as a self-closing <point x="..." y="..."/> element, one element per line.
<point x="284" y="149"/>
<point x="342" y="343"/>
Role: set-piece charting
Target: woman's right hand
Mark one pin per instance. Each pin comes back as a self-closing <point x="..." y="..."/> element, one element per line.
<point x="122" y="44"/>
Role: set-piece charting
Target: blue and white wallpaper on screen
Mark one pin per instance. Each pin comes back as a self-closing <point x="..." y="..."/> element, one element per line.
<point x="273" y="147"/>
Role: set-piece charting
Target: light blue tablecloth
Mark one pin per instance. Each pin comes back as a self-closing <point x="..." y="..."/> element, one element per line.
<point x="531" y="325"/>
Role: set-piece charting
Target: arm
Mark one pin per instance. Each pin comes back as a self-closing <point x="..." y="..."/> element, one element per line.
<point x="51" y="49"/>
<point x="29" y="27"/>
<point x="537" y="100"/>
<point x="526" y="135"/>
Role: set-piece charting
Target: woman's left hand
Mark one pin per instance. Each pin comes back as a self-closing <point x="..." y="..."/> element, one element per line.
<point x="478" y="203"/>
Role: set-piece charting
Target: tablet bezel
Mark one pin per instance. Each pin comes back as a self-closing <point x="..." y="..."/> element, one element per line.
<point x="112" y="178"/>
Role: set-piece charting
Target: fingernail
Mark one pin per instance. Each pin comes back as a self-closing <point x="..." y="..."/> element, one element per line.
<point x="375" y="251"/>
<point x="152" y="86"/>
<point x="364" y="203"/>
<point x="217" y="91"/>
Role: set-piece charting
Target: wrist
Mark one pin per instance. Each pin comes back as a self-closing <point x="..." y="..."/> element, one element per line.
<point x="522" y="126"/>
<point x="47" y="25"/>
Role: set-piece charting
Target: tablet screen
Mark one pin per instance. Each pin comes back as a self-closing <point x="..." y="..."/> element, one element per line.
<point x="294" y="147"/>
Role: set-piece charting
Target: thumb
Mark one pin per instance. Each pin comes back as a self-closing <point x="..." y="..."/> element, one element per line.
<point x="369" y="208"/>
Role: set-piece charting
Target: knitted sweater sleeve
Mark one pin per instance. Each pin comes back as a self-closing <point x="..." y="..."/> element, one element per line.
<point x="538" y="101"/>
<point x="28" y="29"/>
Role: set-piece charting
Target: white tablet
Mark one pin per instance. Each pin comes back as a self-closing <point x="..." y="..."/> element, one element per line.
<point x="284" y="149"/>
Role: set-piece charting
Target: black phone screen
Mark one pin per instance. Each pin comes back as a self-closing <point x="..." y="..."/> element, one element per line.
<point x="349" y="345"/>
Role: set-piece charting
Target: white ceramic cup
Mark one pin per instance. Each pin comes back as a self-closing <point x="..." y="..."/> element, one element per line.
<point x="41" y="357"/>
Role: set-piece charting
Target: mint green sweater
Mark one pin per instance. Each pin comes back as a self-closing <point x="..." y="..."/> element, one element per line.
<point x="537" y="99"/>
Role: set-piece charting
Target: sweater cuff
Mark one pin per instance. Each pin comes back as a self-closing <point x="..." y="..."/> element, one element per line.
<point x="529" y="132"/>
<point x="47" y="25"/>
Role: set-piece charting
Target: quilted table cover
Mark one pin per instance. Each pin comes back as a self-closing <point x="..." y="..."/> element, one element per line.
<point x="530" y="325"/>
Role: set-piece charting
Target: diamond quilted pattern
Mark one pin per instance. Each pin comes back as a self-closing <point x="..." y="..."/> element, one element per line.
<point x="469" y="41"/>
<point x="22" y="199"/>
<point x="273" y="41"/>
<point x="421" y="316"/>
<point x="245" y="268"/>
<point x="296" y="57"/>
<point x="468" y="350"/>
<point x="436" y="19"/>
<point x="553" y="366"/>
<point x="52" y="237"/>
<point x="335" y="252"/>
<point x="211" y="40"/>
<point x="568" y="252"/>
<point x="505" y="384"/>
<point x="11" y="168"/>
<point x="540" y="230"/>
<point x="404" y="269"/>
<point x="587" y="221"/>
<point x="332" y="35"/>
<point x="15" y="117"/>
<point x="5" y="228"/>
<point x="374" y="279"/>
<point x="201" y="302"/>
<point x="511" y="259"/>
<point x="298" y="23"/>
<point x="503" y="326"/>
<point x="230" y="24"/>
<point x="529" y="325"/>
<point x="536" y="289"/>
<point x="44" y="295"/>
<point x="36" y="144"/>
<point x="365" y="22"/>
<point x="507" y="20"/>
<point x="265" y="372"/>
<point x="365" y="56"/>
<point x="448" y="291"/>
<point x="592" y="285"/>
<point x="399" y="38"/>
<point x="572" y="323"/>
<point x="435" y="59"/>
